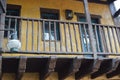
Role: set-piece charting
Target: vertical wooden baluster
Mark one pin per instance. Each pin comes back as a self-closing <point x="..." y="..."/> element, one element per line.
<point x="70" y="37"/>
<point x="108" y="29"/>
<point x="38" y="36"/>
<point x="43" y="27"/>
<point x="27" y="35"/>
<point x="75" y="37"/>
<point x="50" y="36"/>
<point x="97" y="39"/>
<point x="85" y="30"/>
<point x="32" y="35"/>
<point x="15" y="24"/>
<point x="101" y="38"/>
<point x="60" y="39"/>
<point x="118" y="36"/>
<point x="9" y="25"/>
<point x="115" y="42"/>
<point x="65" y="37"/>
<point x="20" y="25"/>
<point x="104" y="38"/>
<point x="55" y="36"/>
<point x="80" y="34"/>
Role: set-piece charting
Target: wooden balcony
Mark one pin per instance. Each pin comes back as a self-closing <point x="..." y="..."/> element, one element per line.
<point x="40" y="36"/>
<point x="72" y="38"/>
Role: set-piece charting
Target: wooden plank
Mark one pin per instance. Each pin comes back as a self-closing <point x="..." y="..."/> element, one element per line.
<point x="74" y="67"/>
<point x="70" y="36"/>
<point x="114" y="71"/>
<point x="88" y="18"/>
<point x="65" y="32"/>
<point x="50" y="66"/>
<point x="21" y="67"/>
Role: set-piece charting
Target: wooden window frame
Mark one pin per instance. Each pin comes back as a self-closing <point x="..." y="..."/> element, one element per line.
<point x="54" y="11"/>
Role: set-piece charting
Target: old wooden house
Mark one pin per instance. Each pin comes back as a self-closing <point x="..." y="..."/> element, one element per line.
<point x="59" y="40"/>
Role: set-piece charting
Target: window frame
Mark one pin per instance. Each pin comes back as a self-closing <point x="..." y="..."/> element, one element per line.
<point x="54" y="11"/>
<point x="98" y="17"/>
<point x="14" y="7"/>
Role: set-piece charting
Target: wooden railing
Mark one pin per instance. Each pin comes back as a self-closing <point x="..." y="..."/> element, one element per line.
<point x="55" y="36"/>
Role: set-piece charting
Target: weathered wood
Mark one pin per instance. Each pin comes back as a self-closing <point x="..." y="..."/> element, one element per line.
<point x="50" y="66"/>
<point x="104" y="68"/>
<point x="21" y="67"/>
<point x="85" y="68"/>
<point x="0" y="67"/>
<point x="2" y="24"/>
<point x="2" y="6"/>
<point x="97" y="63"/>
<point x="74" y="67"/>
<point x="115" y="68"/>
<point x="88" y="18"/>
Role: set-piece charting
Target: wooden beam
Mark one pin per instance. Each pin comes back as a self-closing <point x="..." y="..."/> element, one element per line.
<point x="85" y="68"/>
<point x="116" y="14"/>
<point x="2" y="6"/>
<point x="50" y="66"/>
<point x="88" y="18"/>
<point x="115" y="68"/>
<point x="21" y="67"/>
<point x="74" y="67"/>
<point x="0" y="67"/>
<point x="97" y="63"/>
<point x="104" y="68"/>
<point x="113" y="10"/>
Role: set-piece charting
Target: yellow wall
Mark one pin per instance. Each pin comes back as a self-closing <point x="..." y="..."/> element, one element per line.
<point x="31" y="9"/>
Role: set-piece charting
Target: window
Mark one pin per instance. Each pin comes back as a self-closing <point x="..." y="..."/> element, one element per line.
<point x="86" y="39"/>
<point x="50" y="31"/>
<point x="12" y="10"/>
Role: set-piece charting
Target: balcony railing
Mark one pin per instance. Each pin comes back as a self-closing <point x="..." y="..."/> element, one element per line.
<point x="55" y="36"/>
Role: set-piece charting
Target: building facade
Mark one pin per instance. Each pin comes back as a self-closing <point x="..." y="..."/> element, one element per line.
<point x="60" y="40"/>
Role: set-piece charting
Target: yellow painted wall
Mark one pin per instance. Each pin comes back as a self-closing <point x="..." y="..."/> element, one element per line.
<point x="31" y="9"/>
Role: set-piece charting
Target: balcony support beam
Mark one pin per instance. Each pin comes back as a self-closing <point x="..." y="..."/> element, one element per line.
<point x="74" y="67"/>
<point x="97" y="63"/>
<point x="105" y="67"/>
<point x="88" y="18"/>
<point x="0" y="67"/>
<point x="50" y="66"/>
<point x="21" y="67"/>
<point x="115" y="68"/>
